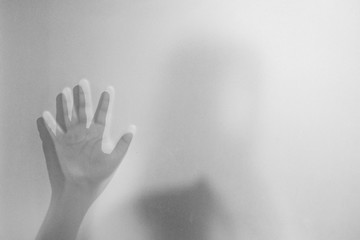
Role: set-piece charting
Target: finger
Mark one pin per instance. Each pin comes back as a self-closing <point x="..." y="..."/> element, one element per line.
<point x="85" y="85"/>
<point x="74" y="117"/>
<point x="123" y="145"/>
<point x="66" y="110"/>
<point x="47" y="139"/>
<point x="53" y="127"/>
<point x="69" y="101"/>
<point x="62" y="112"/>
<point x="102" y="108"/>
<point x="79" y="103"/>
<point x="52" y="161"/>
<point x="46" y="134"/>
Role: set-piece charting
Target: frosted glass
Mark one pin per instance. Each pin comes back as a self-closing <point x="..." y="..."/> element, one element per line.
<point x="247" y="115"/>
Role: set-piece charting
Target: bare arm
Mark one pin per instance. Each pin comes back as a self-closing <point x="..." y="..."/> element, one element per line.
<point x="78" y="168"/>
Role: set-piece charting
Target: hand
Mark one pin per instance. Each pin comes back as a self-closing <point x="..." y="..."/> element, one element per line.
<point x="73" y="153"/>
<point x="78" y="168"/>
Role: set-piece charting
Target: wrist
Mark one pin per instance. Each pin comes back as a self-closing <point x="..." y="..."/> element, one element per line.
<point x="78" y="193"/>
<point x="70" y="201"/>
<point x="65" y="214"/>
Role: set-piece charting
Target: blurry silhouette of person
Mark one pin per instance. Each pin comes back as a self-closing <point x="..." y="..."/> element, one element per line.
<point x="194" y="139"/>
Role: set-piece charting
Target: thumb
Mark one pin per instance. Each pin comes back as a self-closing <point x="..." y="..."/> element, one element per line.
<point x="123" y="144"/>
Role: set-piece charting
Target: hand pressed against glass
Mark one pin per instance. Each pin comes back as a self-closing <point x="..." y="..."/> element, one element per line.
<point x="78" y="168"/>
<point x="74" y="155"/>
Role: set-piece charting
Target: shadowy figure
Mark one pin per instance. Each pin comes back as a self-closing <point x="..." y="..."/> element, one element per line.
<point x="192" y="142"/>
<point x="186" y="212"/>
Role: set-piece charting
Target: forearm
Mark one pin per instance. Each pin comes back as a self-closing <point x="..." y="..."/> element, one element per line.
<point x="64" y="216"/>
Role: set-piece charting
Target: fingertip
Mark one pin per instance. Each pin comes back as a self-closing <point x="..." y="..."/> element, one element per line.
<point x="128" y="137"/>
<point x="67" y="92"/>
<point x="39" y="119"/>
<point x="46" y="115"/>
<point x="85" y="86"/>
<point x="59" y="97"/>
<point x="49" y="120"/>
<point x="84" y="82"/>
<point x="105" y="95"/>
<point x="41" y="127"/>
<point x="111" y="91"/>
<point x="40" y="122"/>
<point x="130" y="133"/>
<point x="132" y="129"/>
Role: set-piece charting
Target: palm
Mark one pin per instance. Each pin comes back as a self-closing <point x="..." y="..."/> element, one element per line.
<point x="81" y="154"/>
<point x="74" y="154"/>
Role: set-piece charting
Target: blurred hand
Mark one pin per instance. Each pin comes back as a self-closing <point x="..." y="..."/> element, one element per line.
<point x="74" y="156"/>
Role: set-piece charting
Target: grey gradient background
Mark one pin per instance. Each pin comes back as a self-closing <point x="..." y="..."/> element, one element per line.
<point x="253" y="104"/>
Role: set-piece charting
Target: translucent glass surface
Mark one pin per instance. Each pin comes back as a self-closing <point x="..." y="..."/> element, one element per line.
<point x="247" y="115"/>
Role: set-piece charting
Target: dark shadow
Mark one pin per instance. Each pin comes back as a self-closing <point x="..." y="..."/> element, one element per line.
<point x="180" y="213"/>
